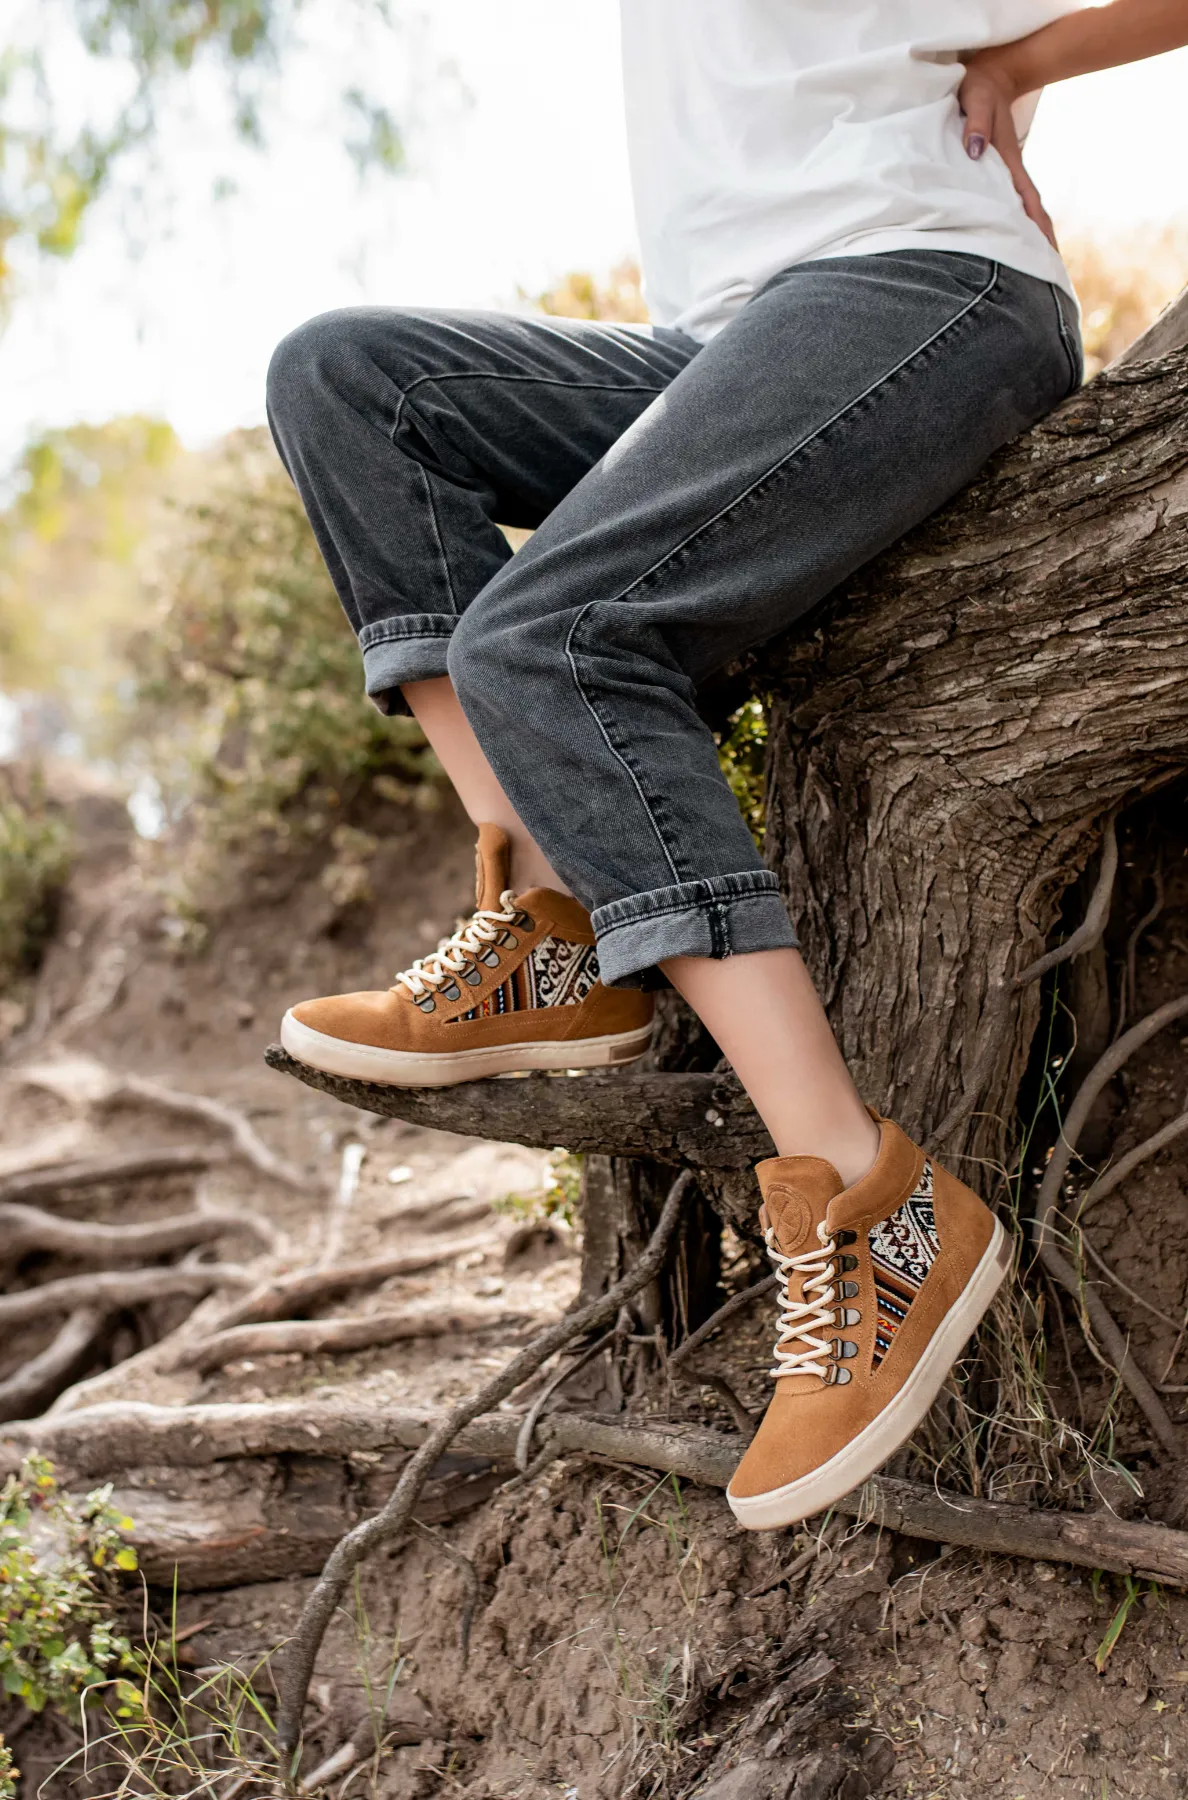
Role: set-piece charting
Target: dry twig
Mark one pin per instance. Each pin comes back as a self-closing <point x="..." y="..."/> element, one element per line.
<point x="394" y="1516"/>
<point x="1126" y="997"/>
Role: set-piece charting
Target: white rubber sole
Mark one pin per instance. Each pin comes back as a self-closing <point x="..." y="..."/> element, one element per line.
<point x="407" y="1068"/>
<point x="860" y="1459"/>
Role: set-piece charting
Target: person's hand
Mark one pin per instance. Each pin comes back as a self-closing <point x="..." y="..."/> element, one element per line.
<point x="986" y="96"/>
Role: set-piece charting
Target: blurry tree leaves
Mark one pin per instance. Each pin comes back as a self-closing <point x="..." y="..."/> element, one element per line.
<point x="55" y="164"/>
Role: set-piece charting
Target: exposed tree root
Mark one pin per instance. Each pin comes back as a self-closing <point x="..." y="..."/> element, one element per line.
<point x="43" y="1377"/>
<point x="24" y="1228"/>
<point x="288" y="1295"/>
<point x="1097" y="912"/>
<point x="35" y="1184"/>
<point x="737" y="1303"/>
<point x="318" y="1337"/>
<point x="1116" y="1174"/>
<point x="245" y="1140"/>
<point x="391" y="1520"/>
<point x="1105" y="1330"/>
<point x="110" y="1289"/>
<point x="105" y="1439"/>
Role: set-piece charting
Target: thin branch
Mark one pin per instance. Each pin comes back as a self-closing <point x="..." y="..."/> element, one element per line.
<point x="332" y="1337"/>
<point x="737" y="1303"/>
<point x="394" y="1516"/>
<point x="469" y="1576"/>
<point x="140" y="1165"/>
<point x="24" y="1228"/>
<point x="1096" y="913"/>
<point x="1047" y="1206"/>
<point x="117" y="1288"/>
<point x="34" y="1385"/>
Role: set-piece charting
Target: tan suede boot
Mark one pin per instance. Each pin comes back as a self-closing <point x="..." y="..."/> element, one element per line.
<point x="881" y="1286"/>
<point x="514" y="988"/>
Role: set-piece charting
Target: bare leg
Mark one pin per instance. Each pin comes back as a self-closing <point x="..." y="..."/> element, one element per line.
<point x="763" y="1012"/>
<point x="762" y="1009"/>
<point x="435" y="707"/>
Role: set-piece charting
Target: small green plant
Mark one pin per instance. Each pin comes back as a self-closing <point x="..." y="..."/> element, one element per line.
<point x="9" y="1773"/>
<point x="556" y="1199"/>
<point x="59" y="1556"/>
<point x="34" y="860"/>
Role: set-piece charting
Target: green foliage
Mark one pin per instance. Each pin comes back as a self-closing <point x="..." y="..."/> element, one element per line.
<point x="54" y="166"/>
<point x="35" y="855"/>
<point x="742" y="751"/>
<point x="86" y="497"/>
<point x="9" y="1773"/>
<point x="248" y="707"/>
<point x="58" y="1557"/>
<point x="557" y="1199"/>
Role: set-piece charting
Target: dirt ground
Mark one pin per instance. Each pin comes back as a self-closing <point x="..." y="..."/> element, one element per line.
<point x="626" y="1639"/>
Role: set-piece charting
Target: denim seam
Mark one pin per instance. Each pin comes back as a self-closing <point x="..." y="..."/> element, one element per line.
<point x="812" y="437"/>
<point x="613" y="748"/>
<point x="689" y="906"/>
<point x="1075" y="365"/>
<point x="600" y="387"/>
<point x="441" y="550"/>
<point x="378" y="633"/>
<point x="723" y="513"/>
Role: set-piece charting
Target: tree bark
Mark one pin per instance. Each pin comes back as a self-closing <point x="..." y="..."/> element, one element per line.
<point x="947" y="741"/>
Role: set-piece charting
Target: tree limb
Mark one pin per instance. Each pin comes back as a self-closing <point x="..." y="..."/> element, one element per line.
<point x="704" y="1121"/>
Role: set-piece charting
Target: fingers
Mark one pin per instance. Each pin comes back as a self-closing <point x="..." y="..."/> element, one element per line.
<point x="977" y="100"/>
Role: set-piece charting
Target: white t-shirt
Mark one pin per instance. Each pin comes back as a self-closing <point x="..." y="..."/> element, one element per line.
<point x="770" y="132"/>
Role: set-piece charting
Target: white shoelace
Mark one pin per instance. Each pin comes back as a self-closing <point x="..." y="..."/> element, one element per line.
<point x="800" y="1320"/>
<point x="455" y="953"/>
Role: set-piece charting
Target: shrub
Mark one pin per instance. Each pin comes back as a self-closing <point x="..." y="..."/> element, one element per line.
<point x="34" y="860"/>
<point x="58" y="1557"/>
<point x="247" y="711"/>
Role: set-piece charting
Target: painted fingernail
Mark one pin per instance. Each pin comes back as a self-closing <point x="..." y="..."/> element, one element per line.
<point x="975" y="145"/>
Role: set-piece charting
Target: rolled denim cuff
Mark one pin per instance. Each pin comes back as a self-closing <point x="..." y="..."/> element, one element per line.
<point x="726" y="915"/>
<point x="403" y="649"/>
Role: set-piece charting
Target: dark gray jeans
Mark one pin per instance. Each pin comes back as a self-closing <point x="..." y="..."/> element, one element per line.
<point x="689" y="501"/>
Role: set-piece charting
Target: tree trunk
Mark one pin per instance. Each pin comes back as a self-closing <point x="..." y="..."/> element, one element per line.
<point x="945" y="744"/>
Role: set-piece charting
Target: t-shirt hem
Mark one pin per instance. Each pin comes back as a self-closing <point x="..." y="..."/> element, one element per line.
<point x="1041" y="261"/>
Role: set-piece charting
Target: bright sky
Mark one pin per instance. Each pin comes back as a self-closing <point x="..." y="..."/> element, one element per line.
<point x="526" y="181"/>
